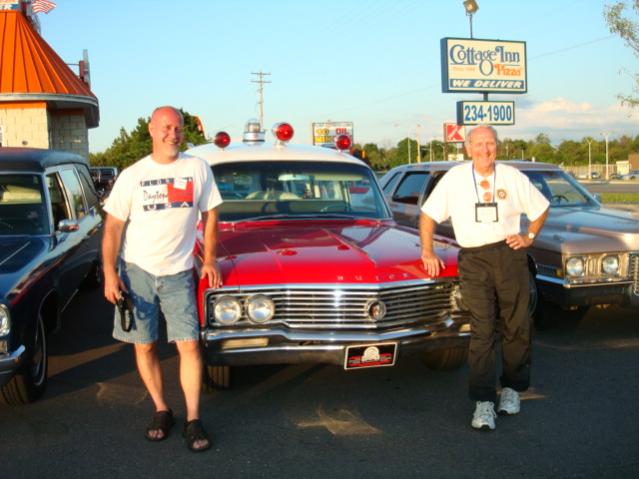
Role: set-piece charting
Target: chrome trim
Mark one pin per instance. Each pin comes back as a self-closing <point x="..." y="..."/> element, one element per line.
<point x="633" y="271"/>
<point x="583" y="283"/>
<point x="10" y="361"/>
<point x="343" y="306"/>
<point x="328" y="336"/>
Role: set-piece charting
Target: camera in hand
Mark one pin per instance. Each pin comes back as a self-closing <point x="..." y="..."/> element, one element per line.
<point x="125" y="308"/>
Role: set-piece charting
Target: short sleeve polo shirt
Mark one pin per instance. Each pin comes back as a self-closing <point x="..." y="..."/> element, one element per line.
<point x="457" y="193"/>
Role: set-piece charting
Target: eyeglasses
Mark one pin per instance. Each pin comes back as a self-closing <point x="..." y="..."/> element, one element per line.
<point x="487" y="196"/>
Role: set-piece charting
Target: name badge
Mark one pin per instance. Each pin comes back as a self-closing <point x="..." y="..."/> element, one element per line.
<point x="179" y="183"/>
<point x="486" y="213"/>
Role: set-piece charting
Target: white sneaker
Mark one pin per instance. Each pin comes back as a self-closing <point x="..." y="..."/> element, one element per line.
<point x="509" y="402"/>
<point x="484" y="415"/>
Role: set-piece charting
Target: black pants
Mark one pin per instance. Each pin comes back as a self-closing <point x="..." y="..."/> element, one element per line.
<point x="494" y="283"/>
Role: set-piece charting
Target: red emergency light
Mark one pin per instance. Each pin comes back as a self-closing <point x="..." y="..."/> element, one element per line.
<point x="343" y="142"/>
<point x="283" y="131"/>
<point x="222" y="139"/>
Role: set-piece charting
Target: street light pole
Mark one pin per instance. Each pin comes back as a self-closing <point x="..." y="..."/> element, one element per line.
<point x="419" y="152"/>
<point x="606" y="135"/>
<point x="589" y="159"/>
<point x="471" y="8"/>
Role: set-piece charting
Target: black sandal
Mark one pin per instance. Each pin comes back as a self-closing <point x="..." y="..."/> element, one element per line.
<point x="193" y="432"/>
<point x="160" y="421"/>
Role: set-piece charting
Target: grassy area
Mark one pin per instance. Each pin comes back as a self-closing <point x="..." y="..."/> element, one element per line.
<point x="620" y="197"/>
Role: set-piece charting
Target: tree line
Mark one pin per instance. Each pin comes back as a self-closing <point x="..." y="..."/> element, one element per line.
<point x="129" y="147"/>
<point x="568" y="153"/>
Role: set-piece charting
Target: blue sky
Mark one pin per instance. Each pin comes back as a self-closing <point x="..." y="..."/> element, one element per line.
<point x="375" y="63"/>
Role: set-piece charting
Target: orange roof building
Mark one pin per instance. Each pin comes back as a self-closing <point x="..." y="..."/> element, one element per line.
<point x="43" y="103"/>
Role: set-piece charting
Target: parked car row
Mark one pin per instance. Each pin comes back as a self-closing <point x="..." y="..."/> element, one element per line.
<point x="49" y="245"/>
<point x="585" y="255"/>
<point x="316" y="266"/>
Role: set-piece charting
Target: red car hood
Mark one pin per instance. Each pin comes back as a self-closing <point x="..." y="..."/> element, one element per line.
<point x="288" y="252"/>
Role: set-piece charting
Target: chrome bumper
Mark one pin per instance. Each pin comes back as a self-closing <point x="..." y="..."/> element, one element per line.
<point x="9" y="363"/>
<point x="286" y="346"/>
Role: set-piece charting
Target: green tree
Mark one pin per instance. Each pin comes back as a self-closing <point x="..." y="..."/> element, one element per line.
<point x="127" y="148"/>
<point x="628" y="30"/>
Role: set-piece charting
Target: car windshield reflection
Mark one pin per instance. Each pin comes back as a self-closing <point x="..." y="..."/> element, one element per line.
<point x="22" y="205"/>
<point x="560" y="189"/>
<point x="301" y="189"/>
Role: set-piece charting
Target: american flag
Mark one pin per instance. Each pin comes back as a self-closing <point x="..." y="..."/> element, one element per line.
<point x="42" y="6"/>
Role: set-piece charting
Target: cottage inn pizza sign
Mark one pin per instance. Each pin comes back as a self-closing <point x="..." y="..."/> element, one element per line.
<point x="483" y="66"/>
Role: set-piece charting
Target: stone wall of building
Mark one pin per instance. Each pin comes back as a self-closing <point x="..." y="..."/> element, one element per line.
<point x="24" y="125"/>
<point x="68" y="131"/>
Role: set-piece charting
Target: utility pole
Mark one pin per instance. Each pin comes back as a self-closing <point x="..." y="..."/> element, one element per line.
<point x="606" y="135"/>
<point x="260" y="92"/>
<point x="589" y="159"/>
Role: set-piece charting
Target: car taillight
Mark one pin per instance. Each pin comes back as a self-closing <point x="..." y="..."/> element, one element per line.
<point x="343" y="142"/>
<point x="222" y="139"/>
<point x="283" y="131"/>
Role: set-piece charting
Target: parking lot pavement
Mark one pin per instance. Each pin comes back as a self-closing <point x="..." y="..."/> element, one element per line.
<point x="579" y="419"/>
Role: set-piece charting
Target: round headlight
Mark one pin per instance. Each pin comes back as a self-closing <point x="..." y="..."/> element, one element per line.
<point x="260" y="308"/>
<point x="575" y="266"/>
<point x="610" y="264"/>
<point x="227" y="310"/>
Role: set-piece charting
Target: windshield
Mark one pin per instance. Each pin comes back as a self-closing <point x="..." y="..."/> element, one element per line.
<point x="22" y="206"/>
<point x="295" y="189"/>
<point x="560" y="189"/>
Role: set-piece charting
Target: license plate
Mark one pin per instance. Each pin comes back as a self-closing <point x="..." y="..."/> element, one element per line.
<point x="370" y="356"/>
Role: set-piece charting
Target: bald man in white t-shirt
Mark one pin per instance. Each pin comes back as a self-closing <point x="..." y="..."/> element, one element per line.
<point x="484" y="202"/>
<point x="151" y="226"/>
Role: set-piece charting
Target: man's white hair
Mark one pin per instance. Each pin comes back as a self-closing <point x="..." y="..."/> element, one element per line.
<point x="487" y="127"/>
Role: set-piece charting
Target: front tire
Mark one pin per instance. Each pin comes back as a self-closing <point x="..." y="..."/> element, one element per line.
<point x="30" y="380"/>
<point x="446" y="359"/>
<point x="217" y="377"/>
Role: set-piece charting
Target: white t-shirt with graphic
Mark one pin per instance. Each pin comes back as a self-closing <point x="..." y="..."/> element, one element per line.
<point x="459" y="190"/>
<point x="160" y="203"/>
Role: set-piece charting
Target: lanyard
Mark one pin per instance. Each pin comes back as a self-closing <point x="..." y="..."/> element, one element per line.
<point x="475" y="182"/>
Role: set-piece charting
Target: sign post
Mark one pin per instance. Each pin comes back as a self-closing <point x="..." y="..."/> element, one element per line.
<point x="471" y="65"/>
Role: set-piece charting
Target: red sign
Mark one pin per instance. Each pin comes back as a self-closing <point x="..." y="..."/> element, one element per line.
<point x="454" y="133"/>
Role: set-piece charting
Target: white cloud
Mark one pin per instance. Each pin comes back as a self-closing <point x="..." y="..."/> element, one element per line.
<point x="562" y="119"/>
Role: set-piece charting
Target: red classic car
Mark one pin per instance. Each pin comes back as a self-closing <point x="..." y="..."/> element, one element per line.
<point x="314" y="267"/>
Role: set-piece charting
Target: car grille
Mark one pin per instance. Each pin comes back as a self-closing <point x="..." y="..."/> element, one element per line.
<point x="346" y="307"/>
<point x="633" y="271"/>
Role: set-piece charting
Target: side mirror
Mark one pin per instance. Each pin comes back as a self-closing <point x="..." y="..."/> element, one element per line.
<point x="67" y="226"/>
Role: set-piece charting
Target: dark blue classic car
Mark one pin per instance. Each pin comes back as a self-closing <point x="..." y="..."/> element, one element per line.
<point x="49" y="244"/>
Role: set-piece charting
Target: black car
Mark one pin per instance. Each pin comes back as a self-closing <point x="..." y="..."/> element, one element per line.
<point x="103" y="178"/>
<point x="50" y="225"/>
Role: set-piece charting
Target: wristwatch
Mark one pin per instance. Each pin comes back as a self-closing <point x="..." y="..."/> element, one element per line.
<point x="531" y="236"/>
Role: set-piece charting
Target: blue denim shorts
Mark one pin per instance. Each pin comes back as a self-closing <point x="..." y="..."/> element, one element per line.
<point x="173" y="295"/>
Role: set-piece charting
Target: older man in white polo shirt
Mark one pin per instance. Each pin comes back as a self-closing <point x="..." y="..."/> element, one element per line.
<point x="485" y="202"/>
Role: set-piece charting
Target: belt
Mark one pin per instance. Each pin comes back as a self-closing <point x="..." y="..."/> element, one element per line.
<point x="485" y="247"/>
